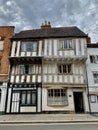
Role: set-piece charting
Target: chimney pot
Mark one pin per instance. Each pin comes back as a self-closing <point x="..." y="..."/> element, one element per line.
<point x="46" y="25"/>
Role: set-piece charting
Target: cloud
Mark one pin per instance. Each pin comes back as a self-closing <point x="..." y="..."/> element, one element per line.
<point x="30" y="14"/>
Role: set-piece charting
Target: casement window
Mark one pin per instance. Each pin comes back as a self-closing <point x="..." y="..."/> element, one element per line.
<point x="30" y="69"/>
<point x="93" y="98"/>
<point x="65" y="69"/>
<point x="24" y="69"/>
<point x="95" y="76"/>
<point x="65" y="44"/>
<point x="28" y="98"/>
<point x="94" y="59"/>
<point x="57" y="97"/>
<point x="29" y="46"/>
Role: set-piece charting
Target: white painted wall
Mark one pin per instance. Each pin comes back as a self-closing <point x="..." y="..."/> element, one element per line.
<point x="51" y="75"/>
<point x="3" y="96"/>
<point x="69" y="107"/>
<point x="50" y="47"/>
<point x="92" y="67"/>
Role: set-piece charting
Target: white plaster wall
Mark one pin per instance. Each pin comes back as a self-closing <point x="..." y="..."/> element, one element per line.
<point x="28" y="109"/>
<point x="51" y="75"/>
<point x="3" y="96"/>
<point x="69" y="107"/>
<point x="92" y="67"/>
<point x="94" y="107"/>
<point x="51" y="48"/>
<point x="39" y="100"/>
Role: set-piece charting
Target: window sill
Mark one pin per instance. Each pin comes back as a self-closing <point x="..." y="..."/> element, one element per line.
<point x="27" y="105"/>
<point x="65" y="73"/>
<point x="57" y="105"/>
<point x="64" y="49"/>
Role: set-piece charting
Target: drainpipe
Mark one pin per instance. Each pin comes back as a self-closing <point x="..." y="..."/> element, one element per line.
<point x="88" y="90"/>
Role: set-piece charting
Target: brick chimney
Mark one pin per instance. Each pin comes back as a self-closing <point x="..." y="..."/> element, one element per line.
<point x="46" y="25"/>
<point x="88" y="40"/>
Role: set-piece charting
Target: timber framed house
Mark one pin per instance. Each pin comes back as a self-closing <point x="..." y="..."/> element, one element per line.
<point x="47" y="71"/>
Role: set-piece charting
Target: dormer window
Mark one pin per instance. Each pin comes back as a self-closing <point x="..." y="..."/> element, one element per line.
<point x="29" y="46"/>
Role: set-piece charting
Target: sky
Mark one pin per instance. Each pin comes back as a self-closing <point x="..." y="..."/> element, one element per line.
<point x="30" y="14"/>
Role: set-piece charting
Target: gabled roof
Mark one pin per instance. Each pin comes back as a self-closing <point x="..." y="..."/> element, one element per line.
<point x="60" y="32"/>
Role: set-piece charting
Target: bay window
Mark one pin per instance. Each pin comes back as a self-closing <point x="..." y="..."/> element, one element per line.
<point x="57" y="97"/>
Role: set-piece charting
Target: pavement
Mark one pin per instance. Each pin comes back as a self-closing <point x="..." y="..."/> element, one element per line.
<point x="47" y="118"/>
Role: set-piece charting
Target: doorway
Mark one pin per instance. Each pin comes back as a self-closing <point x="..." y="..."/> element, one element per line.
<point x="78" y="102"/>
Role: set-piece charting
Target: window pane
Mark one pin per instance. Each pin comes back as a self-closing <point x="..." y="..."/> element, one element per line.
<point x="28" y="97"/>
<point x="59" y="97"/>
<point x="59" y="69"/>
<point x="64" y="69"/>
<point x="95" y="75"/>
<point x="33" y="98"/>
<point x="34" y="46"/>
<point x="23" y="46"/>
<point x="69" y="68"/>
<point x="65" y="44"/>
<point x="93" y="98"/>
<point x="21" y="69"/>
<point x="29" y="46"/>
<point x="26" y="69"/>
<point x="23" y="97"/>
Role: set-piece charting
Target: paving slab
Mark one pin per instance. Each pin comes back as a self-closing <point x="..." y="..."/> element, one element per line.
<point x="47" y="118"/>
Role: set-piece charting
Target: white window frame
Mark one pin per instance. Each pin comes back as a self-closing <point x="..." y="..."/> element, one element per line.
<point x="57" y="97"/>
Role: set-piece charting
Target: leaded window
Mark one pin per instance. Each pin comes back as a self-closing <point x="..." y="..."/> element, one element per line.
<point x="57" y="97"/>
<point x="28" y="46"/>
<point x="65" y="69"/>
<point x="66" y="44"/>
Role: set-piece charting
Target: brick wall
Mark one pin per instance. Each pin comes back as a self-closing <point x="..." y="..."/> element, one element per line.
<point x="6" y="32"/>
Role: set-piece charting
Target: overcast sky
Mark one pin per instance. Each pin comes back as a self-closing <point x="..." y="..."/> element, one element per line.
<point x="29" y="14"/>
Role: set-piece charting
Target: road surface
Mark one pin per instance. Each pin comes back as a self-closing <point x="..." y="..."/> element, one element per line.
<point x="90" y="126"/>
